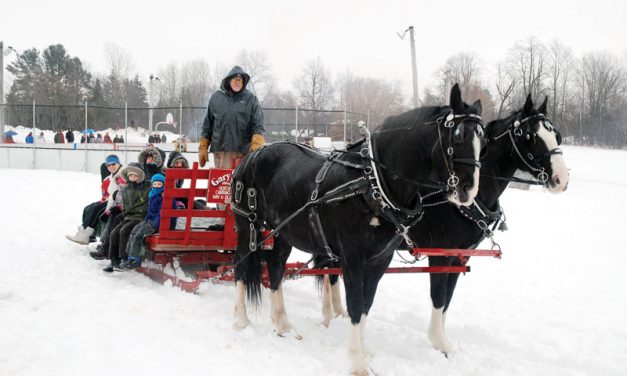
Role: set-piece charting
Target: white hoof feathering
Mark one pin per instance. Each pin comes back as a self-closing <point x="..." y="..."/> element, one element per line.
<point x="437" y="336"/>
<point x="326" y="302"/>
<point x="241" y="317"/>
<point x="279" y="316"/>
<point x="336" y="300"/>
<point x="358" y="360"/>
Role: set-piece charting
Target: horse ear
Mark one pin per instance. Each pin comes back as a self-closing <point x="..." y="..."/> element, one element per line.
<point x="542" y="108"/>
<point x="456" y="99"/>
<point x="528" y="105"/>
<point x="477" y="106"/>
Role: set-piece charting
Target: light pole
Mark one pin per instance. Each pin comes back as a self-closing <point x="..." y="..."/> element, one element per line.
<point x="152" y="77"/>
<point x="413" y="60"/>
<point x="2" y="55"/>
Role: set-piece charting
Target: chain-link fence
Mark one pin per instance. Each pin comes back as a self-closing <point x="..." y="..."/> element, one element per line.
<point x="280" y="123"/>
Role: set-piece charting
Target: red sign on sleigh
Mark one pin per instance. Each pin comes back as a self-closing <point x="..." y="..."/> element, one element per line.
<point x="219" y="190"/>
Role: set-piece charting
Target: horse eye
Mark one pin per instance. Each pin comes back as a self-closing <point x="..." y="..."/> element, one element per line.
<point x="479" y="130"/>
<point x="548" y="126"/>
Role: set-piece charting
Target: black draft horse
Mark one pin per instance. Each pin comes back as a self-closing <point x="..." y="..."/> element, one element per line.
<point x="526" y="141"/>
<point x="353" y="206"/>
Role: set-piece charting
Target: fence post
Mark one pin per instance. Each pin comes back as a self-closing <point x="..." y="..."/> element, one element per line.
<point x="33" y="133"/>
<point x="85" y="167"/>
<point x="181" y="121"/>
<point x="344" y="124"/>
<point x="296" y="136"/>
<point x="125" y="132"/>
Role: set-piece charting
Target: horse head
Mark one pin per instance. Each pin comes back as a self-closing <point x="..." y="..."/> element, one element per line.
<point x="460" y="143"/>
<point x="536" y="142"/>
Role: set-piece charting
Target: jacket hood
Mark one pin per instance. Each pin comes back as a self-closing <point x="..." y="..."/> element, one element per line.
<point x="135" y="168"/>
<point x="157" y="154"/>
<point x="175" y="155"/>
<point x="235" y="71"/>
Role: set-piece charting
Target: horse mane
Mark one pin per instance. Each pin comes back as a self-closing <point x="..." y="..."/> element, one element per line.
<point x="409" y="118"/>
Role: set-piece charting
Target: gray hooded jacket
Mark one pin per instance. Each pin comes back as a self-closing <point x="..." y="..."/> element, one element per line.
<point x="232" y="118"/>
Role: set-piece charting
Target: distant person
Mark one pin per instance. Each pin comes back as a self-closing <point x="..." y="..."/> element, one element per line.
<point x="116" y="139"/>
<point x="29" y="139"/>
<point x="58" y="137"/>
<point x="107" y="138"/>
<point x="151" y="139"/>
<point x="99" y="139"/>
<point x="91" y="138"/>
<point x="41" y="139"/>
<point x="121" y="139"/>
<point x="9" y="139"/>
<point x="83" y="139"/>
<point x="164" y="139"/>
<point x="69" y="136"/>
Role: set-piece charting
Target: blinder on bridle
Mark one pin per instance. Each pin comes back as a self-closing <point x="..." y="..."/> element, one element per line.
<point x="457" y="135"/>
<point x="530" y="135"/>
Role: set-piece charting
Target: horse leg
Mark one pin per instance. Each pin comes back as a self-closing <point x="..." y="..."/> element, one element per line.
<point x="353" y="284"/>
<point x="276" y="261"/>
<point x="241" y="317"/>
<point x="372" y="276"/>
<point x="247" y="275"/>
<point x="336" y="297"/>
<point x="331" y="299"/>
<point x="326" y="301"/>
<point x="439" y="285"/>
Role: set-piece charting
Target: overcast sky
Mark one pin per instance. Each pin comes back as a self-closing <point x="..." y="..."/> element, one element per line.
<point x="356" y="35"/>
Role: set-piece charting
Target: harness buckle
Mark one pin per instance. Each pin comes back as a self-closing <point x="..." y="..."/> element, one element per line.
<point x="452" y="181"/>
<point x="543" y="176"/>
<point x="517" y="130"/>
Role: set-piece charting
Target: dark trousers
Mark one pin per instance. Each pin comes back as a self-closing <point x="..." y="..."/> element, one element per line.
<point x="92" y="213"/>
<point x="118" y="238"/>
<point x="134" y="247"/>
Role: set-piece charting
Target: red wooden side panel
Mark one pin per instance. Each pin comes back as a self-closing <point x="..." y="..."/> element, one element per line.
<point x="211" y="185"/>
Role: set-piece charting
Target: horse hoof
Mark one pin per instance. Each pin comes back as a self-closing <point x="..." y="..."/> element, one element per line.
<point x="240" y="325"/>
<point x="325" y="323"/>
<point x="284" y="334"/>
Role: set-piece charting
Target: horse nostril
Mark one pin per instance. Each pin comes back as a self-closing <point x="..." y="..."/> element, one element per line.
<point x="467" y="187"/>
<point x="556" y="179"/>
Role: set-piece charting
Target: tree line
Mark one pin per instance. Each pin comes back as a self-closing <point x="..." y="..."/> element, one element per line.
<point x="587" y="94"/>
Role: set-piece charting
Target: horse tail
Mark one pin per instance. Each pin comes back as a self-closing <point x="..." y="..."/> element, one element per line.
<point x="249" y="271"/>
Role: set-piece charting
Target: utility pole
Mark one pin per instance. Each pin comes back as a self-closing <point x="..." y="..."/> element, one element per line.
<point x="150" y="101"/>
<point x="413" y="60"/>
<point x="2" y="91"/>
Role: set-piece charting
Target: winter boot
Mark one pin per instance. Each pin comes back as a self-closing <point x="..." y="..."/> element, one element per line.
<point x="113" y="265"/>
<point x="100" y="254"/>
<point x="82" y="235"/>
<point x="132" y="263"/>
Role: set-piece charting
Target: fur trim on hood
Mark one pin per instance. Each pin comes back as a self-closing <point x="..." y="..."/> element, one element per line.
<point x="174" y="156"/>
<point x="157" y="154"/>
<point x="135" y="168"/>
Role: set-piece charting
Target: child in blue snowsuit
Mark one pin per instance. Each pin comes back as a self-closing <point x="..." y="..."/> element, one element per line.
<point x="148" y="226"/>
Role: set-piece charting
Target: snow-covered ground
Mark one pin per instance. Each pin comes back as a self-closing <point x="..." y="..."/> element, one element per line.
<point x="555" y="303"/>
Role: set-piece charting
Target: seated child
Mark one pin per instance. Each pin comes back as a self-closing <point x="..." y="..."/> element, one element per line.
<point x="134" y="207"/>
<point x="149" y="225"/>
<point x="93" y="211"/>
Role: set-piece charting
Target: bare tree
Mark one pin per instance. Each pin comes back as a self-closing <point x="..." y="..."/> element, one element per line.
<point x="560" y="63"/>
<point x="119" y="61"/>
<point x="603" y="83"/>
<point x="463" y="68"/>
<point x="257" y="65"/>
<point x="196" y="82"/>
<point x="314" y="87"/>
<point x="528" y="58"/>
<point x="506" y="81"/>
<point x="169" y="88"/>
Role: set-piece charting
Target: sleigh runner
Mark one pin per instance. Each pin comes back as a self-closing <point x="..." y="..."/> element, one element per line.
<point x="189" y="255"/>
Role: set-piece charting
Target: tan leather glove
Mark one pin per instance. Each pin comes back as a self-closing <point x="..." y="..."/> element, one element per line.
<point x="203" y="151"/>
<point x="257" y="142"/>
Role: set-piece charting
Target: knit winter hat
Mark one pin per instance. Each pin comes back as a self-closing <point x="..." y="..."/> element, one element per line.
<point x="112" y="158"/>
<point x="157" y="177"/>
<point x="134" y="168"/>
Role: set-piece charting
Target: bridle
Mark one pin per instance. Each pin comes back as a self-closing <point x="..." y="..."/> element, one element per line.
<point x="453" y="123"/>
<point x="532" y="161"/>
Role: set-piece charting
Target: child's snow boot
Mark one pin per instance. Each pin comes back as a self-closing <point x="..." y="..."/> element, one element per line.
<point x="82" y="235"/>
<point x="132" y="263"/>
